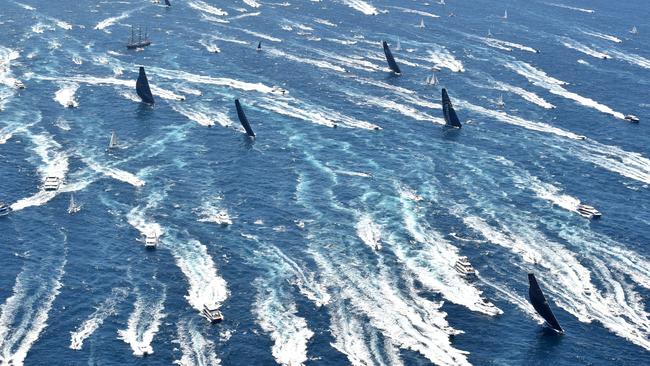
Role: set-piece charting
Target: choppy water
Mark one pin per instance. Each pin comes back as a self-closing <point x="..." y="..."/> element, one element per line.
<point x="298" y="275"/>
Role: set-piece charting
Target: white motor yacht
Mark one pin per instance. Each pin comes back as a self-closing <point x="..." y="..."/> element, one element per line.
<point x="51" y="183"/>
<point x="464" y="267"/>
<point x="632" y="118"/>
<point x="212" y="313"/>
<point x="5" y="209"/>
<point x="589" y="212"/>
<point x="150" y="240"/>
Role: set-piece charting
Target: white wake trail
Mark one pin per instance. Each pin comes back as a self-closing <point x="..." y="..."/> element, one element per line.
<point x="96" y="319"/>
<point x="144" y="323"/>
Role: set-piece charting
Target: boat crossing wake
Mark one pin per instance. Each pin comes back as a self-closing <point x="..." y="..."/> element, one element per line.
<point x="105" y="309"/>
<point x="575" y="45"/>
<point x="369" y="232"/>
<point x="206" y="8"/>
<point x="104" y="24"/>
<point x="65" y="95"/>
<point x="362" y="6"/>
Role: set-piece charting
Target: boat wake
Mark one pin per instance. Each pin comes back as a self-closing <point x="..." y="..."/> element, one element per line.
<point x="361" y="6"/>
<point x="96" y="319"/>
<point x="65" y="95"/>
<point x="144" y="322"/>
<point x="196" y="348"/>
<point x="575" y="45"/>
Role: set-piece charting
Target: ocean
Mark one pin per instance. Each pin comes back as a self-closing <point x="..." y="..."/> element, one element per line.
<point x="353" y="203"/>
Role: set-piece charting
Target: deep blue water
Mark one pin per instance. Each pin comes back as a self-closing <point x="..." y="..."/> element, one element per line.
<point x="295" y="274"/>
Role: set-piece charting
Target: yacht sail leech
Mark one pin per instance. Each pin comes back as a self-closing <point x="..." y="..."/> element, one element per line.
<point x="142" y="87"/>
<point x="537" y="299"/>
<point x="243" y="119"/>
<point x="391" y="60"/>
<point x="448" y="111"/>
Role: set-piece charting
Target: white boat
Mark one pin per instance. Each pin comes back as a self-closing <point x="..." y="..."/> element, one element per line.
<point x="500" y="102"/>
<point x="634" y="30"/>
<point x="19" y="84"/>
<point x="464" y="267"/>
<point x="70" y="104"/>
<point x="5" y="209"/>
<point x="112" y="144"/>
<point x="222" y="218"/>
<point x="505" y="14"/>
<point x="279" y="90"/>
<point x="421" y="23"/>
<point x="73" y="207"/>
<point x="489" y="34"/>
<point x="589" y="212"/>
<point x="632" y="118"/>
<point x="51" y="183"/>
<point x="212" y="313"/>
<point x="150" y="240"/>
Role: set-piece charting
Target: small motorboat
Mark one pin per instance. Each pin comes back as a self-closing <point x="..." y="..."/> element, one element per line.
<point x="51" y="183"/>
<point x="222" y="218"/>
<point x="212" y="313"/>
<point x="589" y="212"/>
<point x="19" y="84"/>
<point x="70" y="104"/>
<point x="278" y="90"/>
<point x="632" y="118"/>
<point x="464" y="267"/>
<point x="5" y="209"/>
<point x="150" y="240"/>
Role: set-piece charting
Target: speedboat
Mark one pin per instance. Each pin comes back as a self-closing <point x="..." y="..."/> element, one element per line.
<point x="5" y="209"/>
<point x="19" y="84"/>
<point x="212" y="313"/>
<point x="51" y="183"/>
<point x="278" y="90"/>
<point x="464" y="267"/>
<point x="150" y="240"/>
<point x="632" y="118"/>
<point x="222" y="218"/>
<point x="588" y="211"/>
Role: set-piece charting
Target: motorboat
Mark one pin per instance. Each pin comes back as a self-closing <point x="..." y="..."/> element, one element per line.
<point x="464" y="267"/>
<point x="150" y="240"/>
<point x="70" y="104"/>
<point x="222" y="218"/>
<point x="19" y="84"/>
<point x="632" y="118"/>
<point x="5" y="209"/>
<point x="212" y="313"/>
<point x="279" y="90"/>
<point x="51" y="183"/>
<point x="589" y="212"/>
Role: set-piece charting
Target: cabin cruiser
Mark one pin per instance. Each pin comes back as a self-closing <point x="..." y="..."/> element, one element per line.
<point x="51" y="183"/>
<point x="464" y="267"/>
<point x="150" y="240"/>
<point x="212" y="313"/>
<point x="632" y="118"/>
<point x="19" y="84"/>
<point x="5" y="209"/>
<point x="588" y="211"/>
<point x="222" y="218"/>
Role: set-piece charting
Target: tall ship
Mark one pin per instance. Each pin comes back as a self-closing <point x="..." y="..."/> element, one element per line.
<point x="138" y="42"/>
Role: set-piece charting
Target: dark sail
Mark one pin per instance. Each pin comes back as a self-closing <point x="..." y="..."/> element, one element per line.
<point x="142" y="87"/>
<point x="391" y="60"/>
<point x="243" y="119"/>
<point x="448" y="110"/>
<point x="259" y="46"/>
<point x="168" y="3"/>
<point x="540" y="304"/>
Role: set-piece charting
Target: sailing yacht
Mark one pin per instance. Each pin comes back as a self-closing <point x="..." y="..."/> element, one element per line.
<point x="500" y="102"/>
<point x="489" y="34"/>
<point x="398" y="46"/>
<point x="432" y="80"/>
<point x="112" y="144"/>
<point x="140" y="42"/>
<point x="421" y="23"/>
<point x="505" y="14"/>
<point x="73" y="207"/>
<point x="634" y="30"/>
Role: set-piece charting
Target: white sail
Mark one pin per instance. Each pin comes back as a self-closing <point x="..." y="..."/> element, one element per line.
<point x="505" y="14"/>
<point x="421" y="23"/>
<point x="73" y="207"/>
<point x="634" y="30"/>
<point x="113" y="142"/>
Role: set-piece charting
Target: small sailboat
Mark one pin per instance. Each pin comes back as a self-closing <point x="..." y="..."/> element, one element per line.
<point x="634" y="30"/>
<point x="500" y="102"/>
<point x="390" y="59"/>
<point x="537" y="299"/>
<point x="421" y="23"/>
<point x="505" y="14"/>
<point x="112" y="144"/>
<point x="398" y="46"/>
<point x="489" y="34"/>
<point x="73" y="207"/>
<point x="432" y="80"/>
<point x="259" y="46"/>
<point x="142" y="87"/>
<point x="451" y="118"/>
<point x="167" y="3"/>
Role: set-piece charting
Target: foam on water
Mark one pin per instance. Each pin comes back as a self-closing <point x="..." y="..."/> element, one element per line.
<point x="363" y="6"/>
<point x="206" y="8"/>
<point x="590" y="11"/>
<point x="602" y="36"/>
<point x="65" y="95"/>
<point x="106" y="23"/>
<point x="197" y="349"/>
<point x="575" y="45"/>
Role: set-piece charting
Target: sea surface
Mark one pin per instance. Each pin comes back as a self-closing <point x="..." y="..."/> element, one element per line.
<point x="343" y="240"/>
